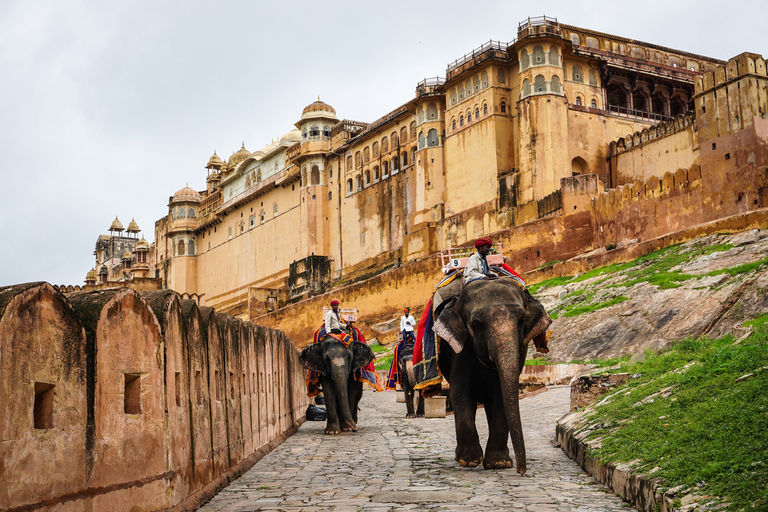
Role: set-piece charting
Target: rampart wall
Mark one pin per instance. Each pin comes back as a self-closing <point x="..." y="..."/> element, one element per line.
<point x="119" y="400"/>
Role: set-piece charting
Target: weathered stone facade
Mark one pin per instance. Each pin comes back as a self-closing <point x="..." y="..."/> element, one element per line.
<point x="116" y="400"/>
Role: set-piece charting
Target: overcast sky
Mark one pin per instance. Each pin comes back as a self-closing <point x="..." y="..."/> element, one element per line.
<point x="108" y="107"/>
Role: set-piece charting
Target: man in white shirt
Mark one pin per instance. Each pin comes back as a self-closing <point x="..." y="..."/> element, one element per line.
<point x="407" y="323"/>
<point x="333" y="319"/>
<point x="477" y="266"/>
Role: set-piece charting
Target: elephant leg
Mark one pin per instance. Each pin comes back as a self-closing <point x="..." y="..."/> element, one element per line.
<point x="355" y="393"/>
<point x="409" y="395"/>
<point x="497" y="449"/>
<point x="469" y="453"/>
<point x="420" y="406"/>
<point x="331" y="406"/>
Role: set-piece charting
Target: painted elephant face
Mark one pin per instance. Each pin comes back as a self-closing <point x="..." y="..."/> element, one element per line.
<point x="323" y="357"/>
<point x="486" y="311"/>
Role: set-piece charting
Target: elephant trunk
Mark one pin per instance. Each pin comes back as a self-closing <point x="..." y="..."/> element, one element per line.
<point x="341" y="376"/>
<point x="506" y="353"/>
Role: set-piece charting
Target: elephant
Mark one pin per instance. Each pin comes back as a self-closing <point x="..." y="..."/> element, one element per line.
<point x="408" y="381"/>
<point x="336" y="365"/>
<point x="484" y="330"/>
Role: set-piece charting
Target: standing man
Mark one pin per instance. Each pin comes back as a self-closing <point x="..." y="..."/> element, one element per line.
<point x="333" y="319"/>
<point x="407" y="323"/>
<point x="477" y="266"/>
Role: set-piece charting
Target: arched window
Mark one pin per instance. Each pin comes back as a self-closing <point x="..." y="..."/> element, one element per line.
<point x="432" y="138"/>
<point x="375" y="149"/>
<point x="304" y="132"/>
<point x="454" y="98"/>
<point x="349" y="163"/>
<point x="384" y="169"/>
<point x="539" y="84"/>
<point x="413" y="155"/>
<point x="461" y="120"/>
<point x="423" y="141"/>
<point x="524" y="59"/>
<point x="366" y="155"/>
<point x="476" y="83"/>
<point x="578" y="100"/>
<point x="594" y="103"/>
<point x="180" y="250"/>
<point x="367" y="177"/>
<point x="575" y="40"/>
<point x="358" y="182"/>
<point x="453" y="124"/>
<point x="477" y="113"/>
<point x="314" y="131"/>
<point x="485" y="109"/>
<point x="395" y="164"/>
<point x="468" y="87"/>
<point x="503" y="107"/>
<point x="403" y="135"/>
<point x="191" y="248"/>
<point x="358" y="159"/>
<point x="404" y="158"/>
<point x="349" y="186"/>
<point x="469" y="116"/>
<point x="315" y="176"/>
<point x="526" y="88"/>
<point x="181" y="213"/>
<point x="554" y="57"/>
<point x="431" y="111"/>
<point x="576" y="74"/>
<point x="538" y="55"/>
<point x="326" y="131"/>
<point x="191" y="213"/>
<point x="384" y="145"/>
<point x="413" y="130"/>
<point x="554" y="85"/>
<point x="394" y="139"/>
<point x="592" y="77"/>
<point x="376" y="173"/>
<point x="484" y="79"/>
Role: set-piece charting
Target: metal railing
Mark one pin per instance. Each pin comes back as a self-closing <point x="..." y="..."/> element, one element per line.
<point x="631" y="112"/>
<point x="490" y="45"/>
<point x="535" y="21"/>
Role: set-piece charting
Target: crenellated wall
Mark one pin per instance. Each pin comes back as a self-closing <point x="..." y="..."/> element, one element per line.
<point x="123" y="400"/>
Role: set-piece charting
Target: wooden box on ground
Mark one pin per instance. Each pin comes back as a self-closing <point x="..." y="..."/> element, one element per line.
<point x="434" y="407"/>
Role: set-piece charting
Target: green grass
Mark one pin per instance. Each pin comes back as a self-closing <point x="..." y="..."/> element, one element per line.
<point x="384" y="363"/>
<point x="710" y="432"/>
<point x="378" y="349"/>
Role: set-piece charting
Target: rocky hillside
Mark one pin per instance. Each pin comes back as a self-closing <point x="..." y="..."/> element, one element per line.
<point x="708" y="286"/>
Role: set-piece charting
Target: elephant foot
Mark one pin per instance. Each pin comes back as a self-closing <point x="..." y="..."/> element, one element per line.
<point x="502" y="463"/>
<point x="332" y="431"/>
<point x="469" y="458"/>
<point x="410" y="415"/>
<point x="349" y="426"/>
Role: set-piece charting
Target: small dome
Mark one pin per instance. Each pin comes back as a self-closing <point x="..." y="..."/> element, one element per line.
<point x="91" y="275"/>
<point x="291" y="136"/>
<point x="116" y="225"/>
<point x="103" y="270"/>
<point x="318" y="106"/>
<point x="186" y="195"/>
<point x="127" y="256"/>
<point x="133" y="227"/>
<point x="142" y="245"/>
<point x="239" y="156"/>
<point x="215" y="162"/>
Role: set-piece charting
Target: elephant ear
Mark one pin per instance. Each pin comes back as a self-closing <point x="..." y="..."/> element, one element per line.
<point x="450" y="327"/>
<point x="536" y="319"/>
<point x="312" y="357"/>
<point x="362" y="354"/>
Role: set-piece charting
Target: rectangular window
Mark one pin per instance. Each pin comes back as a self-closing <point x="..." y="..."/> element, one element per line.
<point x="132" y="395"/>
<point x="251" y="221"/>
<point x="199" y="387"/>
<point x="43" y="411"/>
<point x="177" y="382"/>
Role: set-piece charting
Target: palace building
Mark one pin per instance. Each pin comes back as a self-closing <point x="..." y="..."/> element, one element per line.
<point x="488" y="148"/>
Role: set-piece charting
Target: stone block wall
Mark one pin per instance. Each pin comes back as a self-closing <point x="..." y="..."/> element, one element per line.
<point x="119" y="400"/>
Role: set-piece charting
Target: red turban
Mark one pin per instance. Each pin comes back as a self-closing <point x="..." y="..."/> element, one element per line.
<point x="334" y="302"/>
<point x="482" y="241"/>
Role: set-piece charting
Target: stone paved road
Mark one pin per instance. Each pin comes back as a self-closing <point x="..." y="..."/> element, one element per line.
<point x="393" y="464"/>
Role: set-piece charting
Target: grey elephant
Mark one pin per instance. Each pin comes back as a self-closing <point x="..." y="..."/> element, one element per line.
<point x="336" y="364"/>
<point x="485" y="329"/>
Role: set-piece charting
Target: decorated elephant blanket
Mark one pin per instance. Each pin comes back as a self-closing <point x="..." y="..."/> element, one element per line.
<point x="366" y="374"/>
<point x="427" y="349"/>
<point x="394" y="377"/>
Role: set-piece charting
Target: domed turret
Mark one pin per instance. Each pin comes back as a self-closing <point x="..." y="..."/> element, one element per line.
<point x="90" y="277"/>
<point x="318" y="106"/>
<point x="238" y="156"/>
<point x="186" y="195"/>
<point x="142" y="245"/>
<point x="215" y="162"/>
<point x="116" y="225"/>
<point x="291" y="136"/>
<point x="133" y="227"/>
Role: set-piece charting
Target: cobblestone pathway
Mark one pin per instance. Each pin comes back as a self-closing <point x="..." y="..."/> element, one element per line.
<point x="393" y="464"/>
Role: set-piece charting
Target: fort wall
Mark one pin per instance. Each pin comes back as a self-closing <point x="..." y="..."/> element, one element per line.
<point x="120" y="400"/>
